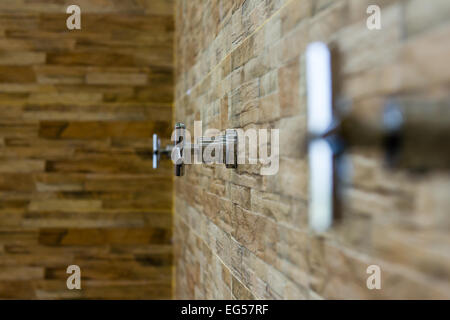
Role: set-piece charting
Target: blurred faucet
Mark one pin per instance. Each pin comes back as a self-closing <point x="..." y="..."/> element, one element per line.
<point x="412" y="132"/>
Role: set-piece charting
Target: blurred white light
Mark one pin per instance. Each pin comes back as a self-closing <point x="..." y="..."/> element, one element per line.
<point x="155" y="147"/>
<point x="320" y="185"/>
<point x="319" y="118"/>
<point x="319" y="90"/>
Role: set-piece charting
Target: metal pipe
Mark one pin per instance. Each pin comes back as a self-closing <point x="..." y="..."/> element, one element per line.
<point x="414" y="135"/>
<point x="226" y="144"/>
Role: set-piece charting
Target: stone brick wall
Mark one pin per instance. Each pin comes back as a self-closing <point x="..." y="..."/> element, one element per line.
<point x="240" y="235"/>
<point x="77" y="112"/>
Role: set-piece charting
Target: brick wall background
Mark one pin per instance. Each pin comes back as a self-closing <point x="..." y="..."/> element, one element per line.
<point x="77" y="112"/>
<point x="240" y="64"/>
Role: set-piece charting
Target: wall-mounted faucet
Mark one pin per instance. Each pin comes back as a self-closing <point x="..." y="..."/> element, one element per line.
<point x="183" y="152"/>
<point x="408" y="131"/>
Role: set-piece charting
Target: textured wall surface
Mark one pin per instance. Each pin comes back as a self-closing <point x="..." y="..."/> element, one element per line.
<point x="77" y="111"/>
<point x="240" y="64"/>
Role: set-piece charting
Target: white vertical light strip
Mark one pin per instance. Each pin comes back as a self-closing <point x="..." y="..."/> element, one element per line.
<point x="320" y="186"/>
<point x="318" y="77"/>
<point x="155" y="142"/>
<point x="319" y="118"/>
<point x="155" y="148"/>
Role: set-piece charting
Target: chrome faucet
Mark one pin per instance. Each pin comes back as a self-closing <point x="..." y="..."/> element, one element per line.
<point x="412" y="133"/>
<point x="183" y="150"/>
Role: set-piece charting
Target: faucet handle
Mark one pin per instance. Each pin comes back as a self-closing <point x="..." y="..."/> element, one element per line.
<point x="156" y="151"/>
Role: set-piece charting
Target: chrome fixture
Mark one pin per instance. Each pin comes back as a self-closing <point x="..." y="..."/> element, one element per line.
<point x="409" y="131"/>
<point x="227" y="144"/>
<point x="157" y="151"/>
